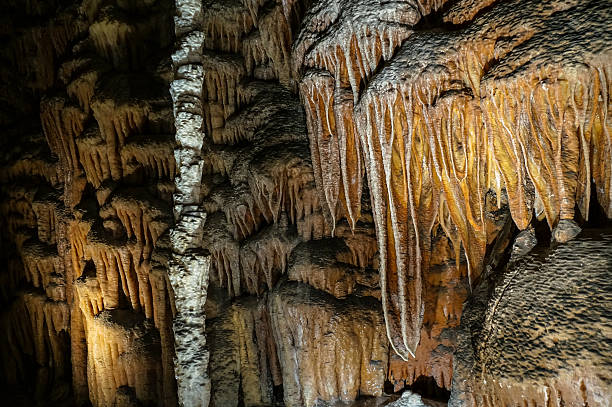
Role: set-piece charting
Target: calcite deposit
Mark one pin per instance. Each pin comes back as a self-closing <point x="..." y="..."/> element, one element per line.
<point x="305" y="203"/>
<point x="499" y="103"/>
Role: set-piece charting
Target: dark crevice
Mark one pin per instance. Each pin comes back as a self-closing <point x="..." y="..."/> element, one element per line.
<point x="427" y="387"/>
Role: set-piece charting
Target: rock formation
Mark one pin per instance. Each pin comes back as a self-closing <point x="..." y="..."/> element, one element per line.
<point x="87" y="180"/>
<point x="540" y="329"/>
<point x="306" y="202"/>
<point x="451" y="115"/>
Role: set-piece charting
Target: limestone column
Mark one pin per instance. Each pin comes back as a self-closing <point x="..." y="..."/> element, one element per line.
<point x="189" y="265"/>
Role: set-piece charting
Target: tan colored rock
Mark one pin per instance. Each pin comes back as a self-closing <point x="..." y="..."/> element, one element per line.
<point x="328" y="265"/>
<point x="328" y="349"/>
<point x="179" y="228"/>
<point x="449" y="118"/>
<point x="244" y="364"/>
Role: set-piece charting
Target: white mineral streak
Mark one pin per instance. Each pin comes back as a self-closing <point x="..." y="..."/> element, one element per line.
<point x="189" y="266"/>
<point x="410" y="399"/>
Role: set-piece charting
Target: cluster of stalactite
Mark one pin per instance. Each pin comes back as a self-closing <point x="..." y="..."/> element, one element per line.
<point x="283" y="271"/>
<point x="511" y="99"/>
<point x="87" y="185"/>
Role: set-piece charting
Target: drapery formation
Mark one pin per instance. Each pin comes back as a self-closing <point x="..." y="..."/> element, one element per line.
<point x="515" y="101"/>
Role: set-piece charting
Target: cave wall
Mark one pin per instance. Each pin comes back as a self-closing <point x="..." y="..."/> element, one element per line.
<point x="240" y="202"/>
<point x="510" y="97"/>
<point x="87" y="181"/>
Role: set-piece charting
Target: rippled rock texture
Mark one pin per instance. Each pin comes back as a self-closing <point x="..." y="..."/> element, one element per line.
<point x="265" y="202"/>
<point x="541" y="329"/>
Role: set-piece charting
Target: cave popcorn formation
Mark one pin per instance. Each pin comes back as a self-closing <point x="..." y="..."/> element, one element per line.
<point x="304" y="202"/>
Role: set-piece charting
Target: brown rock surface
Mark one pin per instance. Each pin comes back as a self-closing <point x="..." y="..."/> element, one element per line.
<point x="90" y="308"/>
<point x="328" y="348"/>
<point x="541" y="330"/>
<point x="454" y="114"/>
<point x="263" y="214"/>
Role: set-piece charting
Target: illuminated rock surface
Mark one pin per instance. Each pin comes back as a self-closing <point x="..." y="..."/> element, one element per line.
<point x="305" y="202"/>
<point x="87" y="180"/>
<point x="515" y="100"/>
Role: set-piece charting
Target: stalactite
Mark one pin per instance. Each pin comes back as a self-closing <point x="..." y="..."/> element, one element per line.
<point x="35" y="325"/>
<point x="81" y="269"/>
<point x="46" y="206"/>
<point x="94" y="156"/>
<point x="342" y="54"/>
<point x="260" y="107"/>
<point x="62" y="123"/>
<point x="445" y="287"/>
<point x="221" y="87"/>
<point x="81" y="73"/>
<point x="153" y="154"/>
<point x="225" y="253"/>
<point x="254" y="53"/>
<point x="33" y="51"/>
<point x="118" y="36"/>
<point x="360" y="240"/>
<point x="282" y="180"/>
<point x="43" y="270"/>
<point x="16" y="208"/>
<point x="224" y="23"/>
<point x="275" y="33"/>
<point x="117" y="123"/>
<point x="313" y="226"/>
<point x="143" y="217"/>
<point x="469" y="119"/>
<point x="327" y="266"/>
<point x="239" y="207"/>
<point x="31" y="160"/>
<point x="265" y="254"/>
<point x="254" y="263"/>
<point x="121" y="348"/>
<point x="452" y="116"/>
